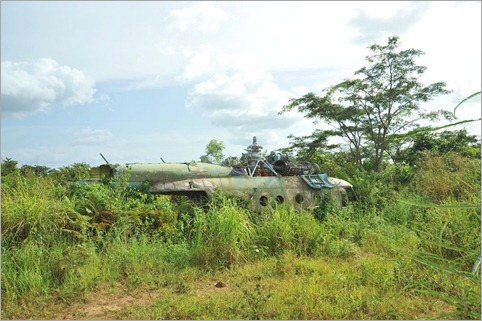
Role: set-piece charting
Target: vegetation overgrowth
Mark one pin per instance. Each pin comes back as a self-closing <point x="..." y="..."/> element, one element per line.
<point x="406" y="250"/>
<point x="409" y="248"/>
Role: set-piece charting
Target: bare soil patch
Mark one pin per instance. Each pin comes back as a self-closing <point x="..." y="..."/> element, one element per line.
<point x="103" y="303"/>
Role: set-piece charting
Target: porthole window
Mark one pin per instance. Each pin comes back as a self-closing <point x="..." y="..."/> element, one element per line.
<point x="299" y="198"/>
<point x="263" y="200"/>
<point x="280" y="199"/>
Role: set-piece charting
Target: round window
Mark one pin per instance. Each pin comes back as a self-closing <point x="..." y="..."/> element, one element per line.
<point x="299" y="198"/>
<point x="263" y="200"/>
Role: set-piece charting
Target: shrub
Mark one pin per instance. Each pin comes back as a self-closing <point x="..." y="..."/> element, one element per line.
<point x="448" y="177"/>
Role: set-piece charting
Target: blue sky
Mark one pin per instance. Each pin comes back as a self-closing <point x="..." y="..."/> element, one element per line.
<point x="137" y="81"/>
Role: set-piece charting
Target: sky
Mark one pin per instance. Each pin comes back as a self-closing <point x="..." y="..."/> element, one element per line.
<point x="140" y="81"/>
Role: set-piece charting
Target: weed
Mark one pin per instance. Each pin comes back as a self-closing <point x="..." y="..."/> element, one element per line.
<point x="255" y="300"/>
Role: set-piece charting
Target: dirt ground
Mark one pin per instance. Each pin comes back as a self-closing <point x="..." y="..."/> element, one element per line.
<point x="104" y="303"/>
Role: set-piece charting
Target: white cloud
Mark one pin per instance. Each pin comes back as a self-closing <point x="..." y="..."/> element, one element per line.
<point x="243" y="102"/>
<point x="202" y="16"/>
<point x="373" y="22"/>
<point x="93" y="136"/>
<point x="198" y="62"/>
<point x="242" y="97"/>
<point x="33" y="86"/>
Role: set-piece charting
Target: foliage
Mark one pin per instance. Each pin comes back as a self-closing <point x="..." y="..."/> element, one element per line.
<point x="448" y="177"/>
<point x="38" y="170"/>
<point x="9" y="166"/>
<point x="32" y="208"/>
<point x="64" y="174"/>
<point x="222" y="235"/>
<point x="214" y="151"/>
<point x="379" y="258"/>
<point x="456" y="141"/>
<point x="255" y="300"/>
<point x="307" y="147"/>
<point x="284" y="230"/>
<point x="71" y="173"/>
<point x="383" y="99"/>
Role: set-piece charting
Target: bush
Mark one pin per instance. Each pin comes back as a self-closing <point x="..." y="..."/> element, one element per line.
<point x="448" y="177"/>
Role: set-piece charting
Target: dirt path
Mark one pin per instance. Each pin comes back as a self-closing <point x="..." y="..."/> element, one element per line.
<point x="105" y="303"/>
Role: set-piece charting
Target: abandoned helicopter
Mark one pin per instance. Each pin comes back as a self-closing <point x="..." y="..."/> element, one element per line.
<point x="262" y="180"/>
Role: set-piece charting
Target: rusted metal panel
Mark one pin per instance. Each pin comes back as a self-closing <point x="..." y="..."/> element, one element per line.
<point x="97" y="173"/>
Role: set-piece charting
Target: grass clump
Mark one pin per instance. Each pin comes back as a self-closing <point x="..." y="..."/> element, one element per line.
<point x="282" y="229"/>
<point x="222" y="235"/>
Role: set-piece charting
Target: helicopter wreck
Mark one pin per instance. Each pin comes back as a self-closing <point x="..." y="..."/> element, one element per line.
<point x="263" y="180"/>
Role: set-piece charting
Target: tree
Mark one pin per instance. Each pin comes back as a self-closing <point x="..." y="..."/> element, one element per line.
<point x="71" y="173"/>
<point x="382" y="100"/>
<point x="457" y="141"/>
<point x="308" y="147"/>
<point x="9" y="166"/>
<point x="38" y="170"/>
<point x="214" y="151"/>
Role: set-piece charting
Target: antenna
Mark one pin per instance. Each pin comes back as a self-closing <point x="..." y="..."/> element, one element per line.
<point x="104" y="159"/>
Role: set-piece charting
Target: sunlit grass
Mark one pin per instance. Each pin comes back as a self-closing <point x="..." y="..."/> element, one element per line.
<point x="407" y="259"/>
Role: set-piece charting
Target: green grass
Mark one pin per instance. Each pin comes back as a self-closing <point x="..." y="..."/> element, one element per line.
<point x="288" y="287"/>
<point x="98" y="252"/>
<point x="221" y="236"/>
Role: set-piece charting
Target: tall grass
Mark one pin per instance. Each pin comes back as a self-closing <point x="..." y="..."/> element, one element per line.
<point x="450" y="231"/>
<point x="222" y="235"/>
<point x="33" y="208"/>
<point x="383" y="258"/>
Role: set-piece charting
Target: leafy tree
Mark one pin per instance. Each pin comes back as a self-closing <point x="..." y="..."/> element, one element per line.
<point x="381" y="100"/>
<point x="214" y="151"/>
<point x="9" y="166"/>
<point x="458" y="141"/>
<point x="71" y="173"/>
<point x="38" y="170"/>
<point x="309" y="147"/>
